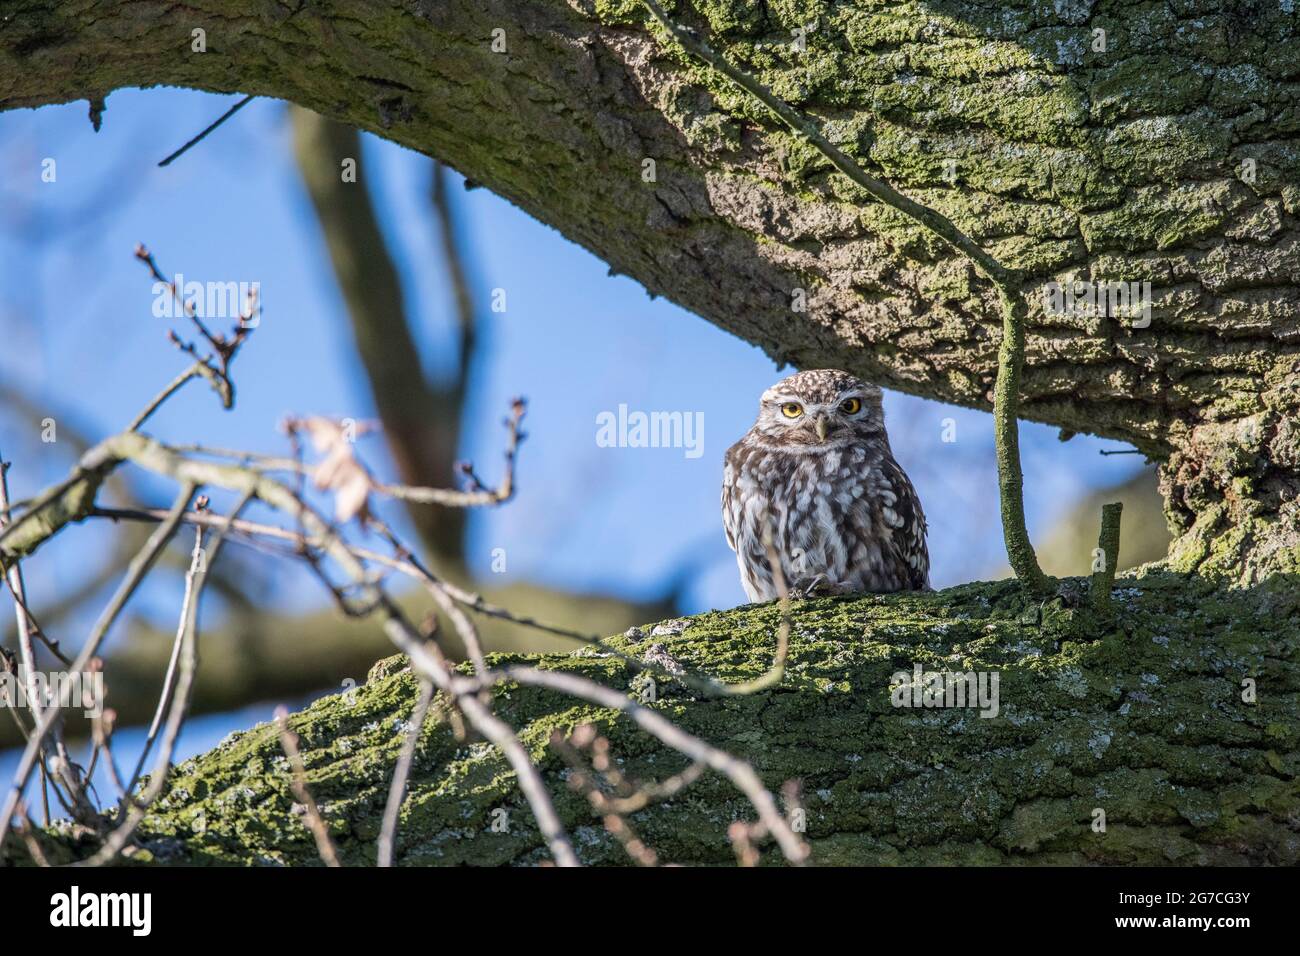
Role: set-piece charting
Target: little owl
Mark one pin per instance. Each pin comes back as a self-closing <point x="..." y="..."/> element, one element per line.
<point x="816" y="472"/>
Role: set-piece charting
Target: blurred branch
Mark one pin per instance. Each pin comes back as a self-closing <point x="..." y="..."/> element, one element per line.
<point x="18" y="402"/>
<point x="320" y="830"/>
<point x="397" y="788"/>
<point x="466" y="319"/>
<point x="421" y="420"/>
<point x="134" y="808"/>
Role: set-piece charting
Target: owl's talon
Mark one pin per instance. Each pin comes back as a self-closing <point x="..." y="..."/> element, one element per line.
<point x="817" y="586"/>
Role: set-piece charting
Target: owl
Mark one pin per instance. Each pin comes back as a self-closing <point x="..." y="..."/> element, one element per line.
<point x="817" y="473"/>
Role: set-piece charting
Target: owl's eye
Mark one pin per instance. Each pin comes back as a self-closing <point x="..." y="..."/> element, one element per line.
<point x="851" y="406"/>
<point x="791" y="409"/>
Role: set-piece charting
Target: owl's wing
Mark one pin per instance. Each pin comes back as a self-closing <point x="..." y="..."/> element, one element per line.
<point x="907" y="533"/>
<point x="729" y="509"/>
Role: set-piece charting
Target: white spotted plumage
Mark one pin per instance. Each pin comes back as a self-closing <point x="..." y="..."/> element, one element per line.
<point x="817" y="474"/>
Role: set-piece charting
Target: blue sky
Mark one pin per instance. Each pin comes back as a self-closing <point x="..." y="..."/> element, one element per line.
<point x="78" y="333"/>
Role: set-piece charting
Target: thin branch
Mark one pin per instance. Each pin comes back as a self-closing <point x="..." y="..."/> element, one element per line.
<point x="206" y="132"/>
<point x="27" y="830"/>
<point x="101" y="729"/>
<point x="298" y="783"/>
<point x="14" y="576"/>
<point x="397" y="789"/>
<point x="38" y="630"/>
<point x="581" y="781"/>
<point x="1006" y="437"/>
<point x="224" y="348"/>
<point x="703" y="684"/>
<point x="490" y="726"/>
<point x="169" y="679"/>
<point x="481" y="495"/>
<point x="439" y="592"/>
<point x="740" y="773"/>
<point x="172" y="388"/>
<point x="136" y="808"/>
<point x="1108" y="543"/>
<point x="135" y="573"/>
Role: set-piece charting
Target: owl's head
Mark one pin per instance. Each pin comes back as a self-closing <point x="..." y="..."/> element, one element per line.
<point x="820" y="407"/>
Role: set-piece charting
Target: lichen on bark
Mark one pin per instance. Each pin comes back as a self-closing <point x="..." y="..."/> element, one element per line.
<point x="1143" y="714"/>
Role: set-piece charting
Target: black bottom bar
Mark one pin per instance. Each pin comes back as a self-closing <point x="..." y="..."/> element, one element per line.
<point x="300" y="906"/>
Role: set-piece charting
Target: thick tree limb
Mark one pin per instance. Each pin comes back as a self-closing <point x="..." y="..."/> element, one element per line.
<point x="1167" y="156"/>
<point x="1139" y="715"/>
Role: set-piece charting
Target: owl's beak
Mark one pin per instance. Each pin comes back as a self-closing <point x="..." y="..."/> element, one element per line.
<point x="820" y="424"/>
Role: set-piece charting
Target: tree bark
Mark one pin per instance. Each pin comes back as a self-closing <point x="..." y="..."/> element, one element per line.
<point x="1166" y="152"/>
<point x="1131" y="739"/>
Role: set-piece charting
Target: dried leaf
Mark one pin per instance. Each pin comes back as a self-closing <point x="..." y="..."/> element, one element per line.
<point x="339" y="471"/>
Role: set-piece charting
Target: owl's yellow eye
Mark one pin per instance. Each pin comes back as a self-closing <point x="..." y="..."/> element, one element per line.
<point x="791" y="409"/>
<point x="851" y="406"/>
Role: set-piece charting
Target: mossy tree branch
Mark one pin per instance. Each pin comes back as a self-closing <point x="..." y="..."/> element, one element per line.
<point x="1140" y="716"/>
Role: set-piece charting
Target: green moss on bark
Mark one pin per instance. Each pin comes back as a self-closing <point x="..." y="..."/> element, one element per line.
<point x="1140" y="716"/>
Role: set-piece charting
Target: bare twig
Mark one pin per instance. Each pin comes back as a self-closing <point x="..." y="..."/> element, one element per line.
<point x="194" y="580"/>
<point x="303" y="543"/>
<point x="172" y="388"/>
<point x="740" y="773"/>
<point x="135" y="808"/>
<point x="157" y="457"/>
<point x="483" y="495"/>
<point x="625" y="798"/>
<point x="224" y="348"/>
<point x="101" y="729"/>
<point x="298" y="783"/>
<point x="491" y="727"/>
<point x="37" y="630"/>
<point x="441" y="596"/>
<point x="397" y="789"/>
<point x="14" y="576"/>
<point x="135" y="573"/>
<point x="27" y="830"/>
<point x="166" y="161"/>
